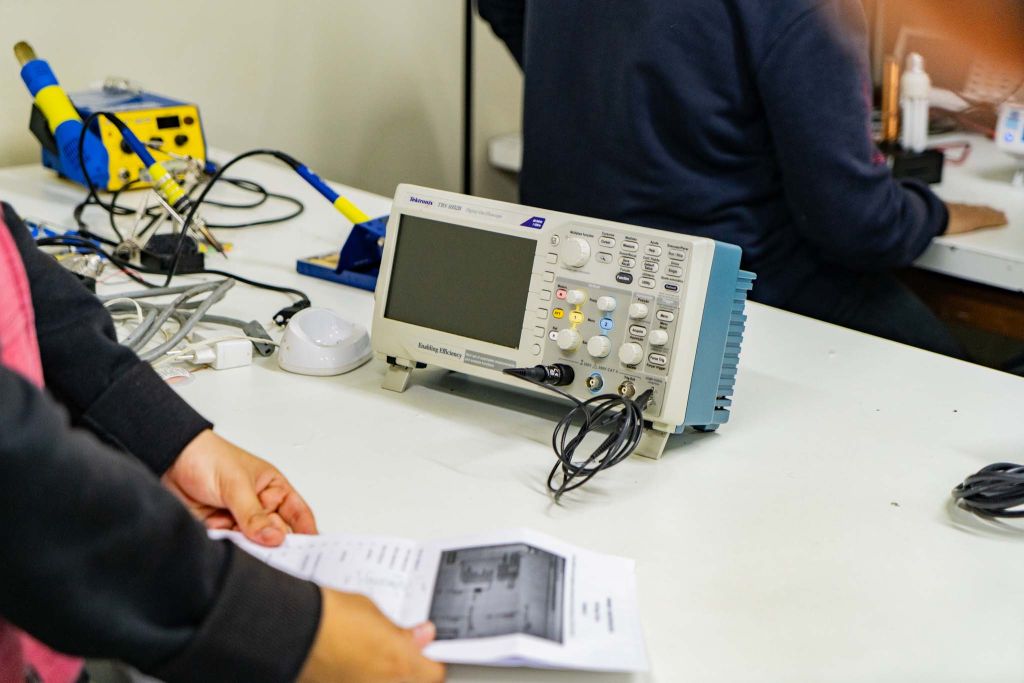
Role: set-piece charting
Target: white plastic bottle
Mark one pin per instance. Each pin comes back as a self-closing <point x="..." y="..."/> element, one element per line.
<point x="915" y="89"/>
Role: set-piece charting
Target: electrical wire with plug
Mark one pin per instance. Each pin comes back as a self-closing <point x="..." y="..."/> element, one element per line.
<point x="995" y="491"/>
<point x="190" y="218"/>
<point x="622" y="417"/>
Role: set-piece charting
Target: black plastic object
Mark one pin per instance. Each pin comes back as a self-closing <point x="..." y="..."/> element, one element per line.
<point x="159" y="254"/>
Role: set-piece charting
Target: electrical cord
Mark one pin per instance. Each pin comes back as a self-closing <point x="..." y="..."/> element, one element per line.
<point x="995" y="491"/>
<point x="282" y="316"/>
<point x="621" y="416"/>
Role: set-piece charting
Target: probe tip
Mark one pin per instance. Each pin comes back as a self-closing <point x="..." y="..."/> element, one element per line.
<point x="24" y="52"/>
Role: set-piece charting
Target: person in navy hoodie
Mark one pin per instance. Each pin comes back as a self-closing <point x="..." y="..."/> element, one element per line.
<point x="741" y="120"/>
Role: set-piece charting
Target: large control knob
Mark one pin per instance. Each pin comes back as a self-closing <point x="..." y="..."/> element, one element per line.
<point x="599" y="346"/>
<point x="638" y="311"/>
<point x="575" y="252"/>
<point x="575" y="296"/>
<point x="606" y="304"/>
<point x="631" y="354"/>
<point x="658" y="337"/>
<point x="569" y="340"/>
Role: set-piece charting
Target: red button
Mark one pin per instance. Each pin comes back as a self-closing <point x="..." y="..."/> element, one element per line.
<point x="560" y="294"/>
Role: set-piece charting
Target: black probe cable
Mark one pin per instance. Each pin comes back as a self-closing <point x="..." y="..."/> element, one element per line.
<point x="624" y="416"/>
<point x="995" y="491"/>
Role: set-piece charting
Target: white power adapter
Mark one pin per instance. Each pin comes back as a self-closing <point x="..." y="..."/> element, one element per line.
<point x="224" y="355"/>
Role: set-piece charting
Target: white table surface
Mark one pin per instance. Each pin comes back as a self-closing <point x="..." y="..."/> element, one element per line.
<point x="811" y="539"/>
<point x="991" y="257"/>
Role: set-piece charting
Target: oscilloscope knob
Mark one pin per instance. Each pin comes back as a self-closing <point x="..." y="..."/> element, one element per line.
<point x="599" y="346"/>
<point x="575" y="252"/>
<point x="638" y="311"/>
<point x="631" y="354"/>
<point x="575" y="296"/>
<point x="569" y="340"/>
<point x="658" y="337"/>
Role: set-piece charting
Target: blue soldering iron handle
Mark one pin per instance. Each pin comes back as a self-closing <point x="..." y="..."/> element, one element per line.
<point x="66" y="126"/>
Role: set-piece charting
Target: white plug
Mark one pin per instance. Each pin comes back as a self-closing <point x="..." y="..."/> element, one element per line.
<point x="232" y="353"/>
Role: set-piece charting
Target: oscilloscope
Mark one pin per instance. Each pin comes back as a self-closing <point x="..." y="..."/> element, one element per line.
<point x="481" y="286"/>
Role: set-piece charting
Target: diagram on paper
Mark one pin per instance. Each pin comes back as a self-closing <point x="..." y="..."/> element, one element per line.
<point x="499" y="590"/>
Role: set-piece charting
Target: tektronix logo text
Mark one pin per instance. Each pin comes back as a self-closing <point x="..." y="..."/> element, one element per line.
<point x="442" y="351"/>
<point x="417" y="200"/>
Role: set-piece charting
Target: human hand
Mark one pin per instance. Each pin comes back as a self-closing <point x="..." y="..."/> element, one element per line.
<point x="966" y="217"/>
<point x="356" y="643"/>
<point x="229" y="488"/>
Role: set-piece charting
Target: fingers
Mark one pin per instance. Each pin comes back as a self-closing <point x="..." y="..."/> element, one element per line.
<point x="424" y="670"/>
<point x="279" y="496"/>
<point x="258" y="526"/>
<point x="423" y="635"/>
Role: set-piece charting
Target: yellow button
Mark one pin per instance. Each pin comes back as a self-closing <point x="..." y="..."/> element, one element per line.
<point x="576" y="316"/>
<point x="557" y="313"/>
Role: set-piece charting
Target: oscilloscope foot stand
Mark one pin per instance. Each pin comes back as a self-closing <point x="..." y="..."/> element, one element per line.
<point x="652" y="443"/>
<point x="398" y="373"/>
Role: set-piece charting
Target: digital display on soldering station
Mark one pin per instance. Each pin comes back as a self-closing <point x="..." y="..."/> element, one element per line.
<point x="467" y="282"/>
<point x="163" y="122"/>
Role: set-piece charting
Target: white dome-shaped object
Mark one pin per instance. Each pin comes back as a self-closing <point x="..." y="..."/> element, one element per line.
<point x="318" y="341"/>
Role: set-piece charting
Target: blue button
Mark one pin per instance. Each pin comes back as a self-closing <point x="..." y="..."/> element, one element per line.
<point x="607" y="324"/>
<point x="671" y="287"/>
<point x="1009" y="137"/>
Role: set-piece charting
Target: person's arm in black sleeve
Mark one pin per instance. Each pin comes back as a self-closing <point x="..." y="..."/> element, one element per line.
<point x="508" y="21"/>
<point x="98" y="559"/>
<point x="104" y="385"/>
<point x="814" y="84"/>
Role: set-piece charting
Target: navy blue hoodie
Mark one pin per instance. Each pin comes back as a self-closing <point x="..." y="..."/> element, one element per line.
<point x="747" y="121"/>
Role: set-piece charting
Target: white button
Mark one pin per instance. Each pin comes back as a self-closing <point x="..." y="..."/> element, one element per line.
<point x="657" y="359"/>
<point x="551" y="258"/>
<point x="575" y="296"/>
<point x="638" y="330"/>
<point x="630" y="246"/>
<point x="659" y="337"/>
<point x="535" y="349"/>
<point x="538" y="332"/>
<point x="553" y="335"/>
<point x="545" y="295"/>
<point x="549" y="276"/>
<point x="666" y="316"/>
<point x="650" y="266"/>
<point x="647" y="282"/>
<point x="599" y="346"/>
<point x="674" y="271"/>
<point x="638" y="311"/>
<point x="631" y="353"/>
<point x="604" y="257"/>
<point x="575" y="252"/>
<point x="607" y="242"/>
<point x="542" y="313"/>
<point x="627" y="261"/>
<point x="606" y="303"/>
<point x="569" y="340"/>
<point x="555" y="240"/>
<point x="651" y="250"/>
<point x="677" y="255"/>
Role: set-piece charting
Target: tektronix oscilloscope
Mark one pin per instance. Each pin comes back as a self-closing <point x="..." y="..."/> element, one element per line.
<point x="480" y="286"/>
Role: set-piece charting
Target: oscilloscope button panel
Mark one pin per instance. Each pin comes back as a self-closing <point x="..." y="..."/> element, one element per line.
<point x="615" y="303"/>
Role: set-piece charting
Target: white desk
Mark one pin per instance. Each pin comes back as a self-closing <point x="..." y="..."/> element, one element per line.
<point x="991" y="257"/>
<point x="811" y="539"/>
